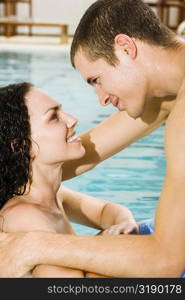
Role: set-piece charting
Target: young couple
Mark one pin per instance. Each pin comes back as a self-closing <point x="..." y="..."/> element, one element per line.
<point x="138" y="65"/>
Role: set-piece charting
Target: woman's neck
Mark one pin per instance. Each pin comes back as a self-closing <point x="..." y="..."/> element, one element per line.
<point x="46" y="181"/>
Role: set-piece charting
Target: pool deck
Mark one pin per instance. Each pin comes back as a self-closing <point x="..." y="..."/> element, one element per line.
<point x="25" y="42"/>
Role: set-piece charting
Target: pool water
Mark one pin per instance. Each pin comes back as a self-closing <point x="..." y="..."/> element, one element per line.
<point x="133" y="177"/>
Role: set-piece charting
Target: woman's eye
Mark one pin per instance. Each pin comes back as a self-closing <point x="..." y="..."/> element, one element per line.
<point x="54" y="117"/>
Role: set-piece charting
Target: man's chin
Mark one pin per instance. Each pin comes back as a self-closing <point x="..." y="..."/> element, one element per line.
<point x="134" y="115"/>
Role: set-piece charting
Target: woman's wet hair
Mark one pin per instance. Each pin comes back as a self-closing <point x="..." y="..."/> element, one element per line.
<point x="105" y="19"/>
<point x="15" y="141"/>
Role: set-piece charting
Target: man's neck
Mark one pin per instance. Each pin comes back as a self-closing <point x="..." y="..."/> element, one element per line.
<point x="165" y="69"/>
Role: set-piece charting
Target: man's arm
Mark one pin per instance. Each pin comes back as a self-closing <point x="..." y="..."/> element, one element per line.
<point x="26" y="217"/>
<point x="114" y="134"/>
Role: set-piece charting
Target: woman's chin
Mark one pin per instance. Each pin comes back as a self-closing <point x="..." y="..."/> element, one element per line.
<point x="82" y="150"/>
<point x="78" y="153"/>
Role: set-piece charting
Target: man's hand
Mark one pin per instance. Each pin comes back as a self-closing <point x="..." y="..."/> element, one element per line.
<point x="15" y="258"/>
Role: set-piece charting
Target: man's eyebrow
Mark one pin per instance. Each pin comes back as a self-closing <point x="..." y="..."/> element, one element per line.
<point x="57" y="107"/>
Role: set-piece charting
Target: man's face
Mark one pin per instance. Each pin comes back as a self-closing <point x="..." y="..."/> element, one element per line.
<point x="123" y="85"/>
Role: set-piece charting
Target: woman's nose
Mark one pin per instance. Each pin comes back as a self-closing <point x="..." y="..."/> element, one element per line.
<point x="69" y="120"/>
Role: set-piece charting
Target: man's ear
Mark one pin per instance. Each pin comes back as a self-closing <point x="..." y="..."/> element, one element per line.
<point x="126" y="44"/>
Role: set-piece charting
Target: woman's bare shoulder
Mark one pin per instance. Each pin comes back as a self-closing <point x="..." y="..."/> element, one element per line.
<point x="24" y="217"/>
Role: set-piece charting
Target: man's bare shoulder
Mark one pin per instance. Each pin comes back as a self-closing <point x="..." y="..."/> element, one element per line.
<point x="178" y="108"/>
<point x="171" y="103"/>
<point x="175" y="136"/>
<point x="24" y="217"/>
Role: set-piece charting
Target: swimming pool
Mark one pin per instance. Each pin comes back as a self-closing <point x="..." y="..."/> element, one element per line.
<point x="133" y="177"/>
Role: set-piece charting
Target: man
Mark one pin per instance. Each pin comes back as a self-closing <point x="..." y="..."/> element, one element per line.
<point x="138" y="65"/>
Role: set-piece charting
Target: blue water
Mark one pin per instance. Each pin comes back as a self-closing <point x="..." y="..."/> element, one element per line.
<point x="133" y="177"/>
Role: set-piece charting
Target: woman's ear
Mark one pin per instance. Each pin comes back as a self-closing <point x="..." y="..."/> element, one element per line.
<point x="126" y="44"/>
<point x="20" y="145"/>
<point x="34" y="151"/>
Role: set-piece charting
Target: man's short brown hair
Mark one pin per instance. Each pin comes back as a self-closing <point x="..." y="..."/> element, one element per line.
<point x="104" y="19"/>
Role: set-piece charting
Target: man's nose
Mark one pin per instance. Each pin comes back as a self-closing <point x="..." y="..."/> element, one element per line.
<point x="69" y="120"/>
<point x="104" y="98"/>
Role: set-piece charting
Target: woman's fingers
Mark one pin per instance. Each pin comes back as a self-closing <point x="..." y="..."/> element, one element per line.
<point x="122" y="228"/>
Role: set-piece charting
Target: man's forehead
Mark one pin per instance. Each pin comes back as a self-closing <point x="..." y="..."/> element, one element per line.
<point x="80" y="59"/>
<point x="87" y="69"/>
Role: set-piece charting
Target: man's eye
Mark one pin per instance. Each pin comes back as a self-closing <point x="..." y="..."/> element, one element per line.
<point x="95" y="81"/>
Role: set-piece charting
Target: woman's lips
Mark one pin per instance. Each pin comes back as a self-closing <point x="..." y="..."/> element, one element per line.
<point x="73" y="138"/>
<point x="70" y="135"/>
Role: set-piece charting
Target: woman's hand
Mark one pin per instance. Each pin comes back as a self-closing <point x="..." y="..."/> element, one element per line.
<point x="126" y="227"/>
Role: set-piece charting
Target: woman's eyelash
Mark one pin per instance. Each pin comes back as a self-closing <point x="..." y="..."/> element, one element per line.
<point x="54" y="116"/>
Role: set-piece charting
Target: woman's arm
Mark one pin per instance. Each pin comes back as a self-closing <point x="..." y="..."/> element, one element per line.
<point x="96" y="213"/>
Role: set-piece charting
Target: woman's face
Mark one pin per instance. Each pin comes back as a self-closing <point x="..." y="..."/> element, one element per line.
<point x="52" y="130"/>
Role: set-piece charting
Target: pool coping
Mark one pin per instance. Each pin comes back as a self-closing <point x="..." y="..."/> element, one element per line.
<point x="28" y="43"/>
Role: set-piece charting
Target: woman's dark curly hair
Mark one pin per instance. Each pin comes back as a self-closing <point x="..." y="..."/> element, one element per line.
<point x="15" y="141"/>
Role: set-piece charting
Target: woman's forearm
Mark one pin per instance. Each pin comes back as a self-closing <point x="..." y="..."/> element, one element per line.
<point x="114" y="214"/>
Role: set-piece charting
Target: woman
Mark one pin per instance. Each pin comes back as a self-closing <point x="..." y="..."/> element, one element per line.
<point x="36" y="138"/>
